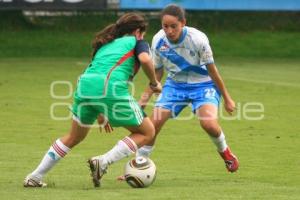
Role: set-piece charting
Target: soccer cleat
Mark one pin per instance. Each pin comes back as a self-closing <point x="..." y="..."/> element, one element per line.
<point x="33" y="182"/>
<point x="231" y="161"/>
<point x="96" y="170"/>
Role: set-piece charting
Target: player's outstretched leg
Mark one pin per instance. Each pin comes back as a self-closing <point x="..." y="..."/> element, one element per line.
<point x="56" y="152"/>
<point x="99" y="164"/>
<point x="208" y="120"/>
<point x="140" y="135"/>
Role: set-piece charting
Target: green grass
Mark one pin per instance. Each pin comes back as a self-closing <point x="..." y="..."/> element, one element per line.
<point x="56" y="43"/>
<point x="188" y="165"/>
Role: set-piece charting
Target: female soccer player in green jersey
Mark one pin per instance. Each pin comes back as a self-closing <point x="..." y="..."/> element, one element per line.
<point x="102" y="89"/>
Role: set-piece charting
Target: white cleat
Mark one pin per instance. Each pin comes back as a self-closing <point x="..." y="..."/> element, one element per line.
<point x="97" y="171"/>
<point x="33" y="182"/>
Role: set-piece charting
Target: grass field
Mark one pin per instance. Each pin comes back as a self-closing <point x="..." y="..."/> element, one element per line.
<point x="57" y="43"/>
<point x="188" y="165"/>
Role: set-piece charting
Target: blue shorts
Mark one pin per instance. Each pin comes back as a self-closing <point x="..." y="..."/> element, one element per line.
<point x="176" y="96"/>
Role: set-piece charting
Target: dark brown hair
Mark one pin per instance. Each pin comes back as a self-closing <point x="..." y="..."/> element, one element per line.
<point x="174" y="10"/>
<point x="126" y="24"/>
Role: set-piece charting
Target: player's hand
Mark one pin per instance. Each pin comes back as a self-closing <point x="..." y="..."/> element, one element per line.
<point x="229" y="105"/>
<point x="103" y="123"/>
<point x="156" y="88"/>
<point x="107" y="127"/>
<point x="144" y="99"/>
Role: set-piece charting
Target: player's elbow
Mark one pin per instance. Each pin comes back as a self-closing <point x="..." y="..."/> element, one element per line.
<point x="144" y="58"/>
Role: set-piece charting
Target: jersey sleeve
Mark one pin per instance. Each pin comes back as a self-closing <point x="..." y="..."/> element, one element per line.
<point x="141" y="47"/>
<point x="157" y="60"/>
<point x="205" y="52"/>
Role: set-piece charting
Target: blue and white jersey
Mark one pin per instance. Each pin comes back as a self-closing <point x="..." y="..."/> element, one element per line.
<point x="186" y="60"/>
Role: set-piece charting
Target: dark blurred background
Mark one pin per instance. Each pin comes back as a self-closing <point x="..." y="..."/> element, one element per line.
<point x="65" y="28"/>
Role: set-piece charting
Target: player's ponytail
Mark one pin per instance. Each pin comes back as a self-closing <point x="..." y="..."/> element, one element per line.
<point x="103" y="37"/>
<point x="126" y="24"/>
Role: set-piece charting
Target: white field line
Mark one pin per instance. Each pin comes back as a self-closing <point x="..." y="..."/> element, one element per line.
<point x="266" y="82"/>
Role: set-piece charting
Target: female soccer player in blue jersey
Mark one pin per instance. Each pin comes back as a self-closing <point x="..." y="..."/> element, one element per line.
<point x="192" y="78"/>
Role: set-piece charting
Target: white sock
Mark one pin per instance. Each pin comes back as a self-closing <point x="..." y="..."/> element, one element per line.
<point x="144" y="151"/>
<point x="57" y="151"/>
<point x="122" y="149"/>
<point x="220" y="142"/>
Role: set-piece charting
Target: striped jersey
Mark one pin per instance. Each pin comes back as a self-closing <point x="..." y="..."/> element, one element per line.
<point x="186" y="60"/>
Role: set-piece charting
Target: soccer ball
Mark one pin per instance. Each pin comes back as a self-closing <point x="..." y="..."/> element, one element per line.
<point x="140" y="172"/>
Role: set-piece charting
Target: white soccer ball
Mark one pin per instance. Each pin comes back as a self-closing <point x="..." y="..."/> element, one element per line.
<point x="140" y="172"/>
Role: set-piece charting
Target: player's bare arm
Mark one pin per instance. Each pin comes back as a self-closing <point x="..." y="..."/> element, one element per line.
<point x="148" y="68"/>
<point x="229" y="104"/>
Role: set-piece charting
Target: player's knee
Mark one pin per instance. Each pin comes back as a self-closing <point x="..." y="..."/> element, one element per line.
<point x="209" y="126"/>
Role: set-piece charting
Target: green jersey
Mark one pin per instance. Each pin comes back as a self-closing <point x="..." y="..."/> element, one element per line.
<point x="108" y="74"/>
